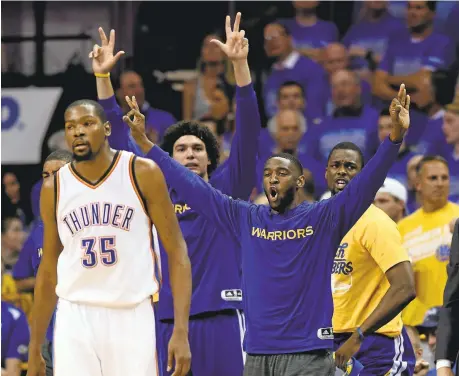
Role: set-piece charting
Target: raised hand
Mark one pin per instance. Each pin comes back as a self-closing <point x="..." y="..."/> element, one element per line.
<point x="236" y="46"/>
<point x="400" y="114"/>
<point x="102" y="56"/>
<point x="135" y="119"/>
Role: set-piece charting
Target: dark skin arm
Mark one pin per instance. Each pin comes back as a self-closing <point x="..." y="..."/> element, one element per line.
<point x="160" y="210"/>
<point x="401" y="291"/>
<point x="26" y="284"/>
<point x="45" y="298"/>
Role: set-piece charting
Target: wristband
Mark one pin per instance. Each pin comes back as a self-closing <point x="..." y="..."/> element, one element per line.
<point x="443" y="363"/>
<point x="102" y="75"/>
<point x="360" y="333"/>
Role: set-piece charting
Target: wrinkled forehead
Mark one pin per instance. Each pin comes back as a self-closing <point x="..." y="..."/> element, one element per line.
<point x="278" y="162"/>
<point x="345" y="156"/>
<point x="76" y="113"/>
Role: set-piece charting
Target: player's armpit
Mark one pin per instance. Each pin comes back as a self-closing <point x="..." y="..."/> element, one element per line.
<point x="161" y="212"/>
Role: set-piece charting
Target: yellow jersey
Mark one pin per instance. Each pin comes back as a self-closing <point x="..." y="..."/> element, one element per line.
<point x="359" y="283"/>
<point x="427" y="238"/>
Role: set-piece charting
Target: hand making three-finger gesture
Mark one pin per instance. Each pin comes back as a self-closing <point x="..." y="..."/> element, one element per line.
<point x="236" y="46"/>
<point x="400" y="114"/>
<point x="102" y="56"/>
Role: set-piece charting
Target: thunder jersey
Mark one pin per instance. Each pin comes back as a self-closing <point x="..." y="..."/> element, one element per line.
<point x="108" y="258"/>
<point x="427" y="238"/>
<point x="359" y="283"/>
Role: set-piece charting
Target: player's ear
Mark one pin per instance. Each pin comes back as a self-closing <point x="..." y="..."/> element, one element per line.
<point x="300" y="181"/>
<point x="326" y="173"/>
<point x="107" y="128"/>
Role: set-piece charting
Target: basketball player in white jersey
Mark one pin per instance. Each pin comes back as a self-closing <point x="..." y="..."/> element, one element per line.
<point x="98" y="213"/>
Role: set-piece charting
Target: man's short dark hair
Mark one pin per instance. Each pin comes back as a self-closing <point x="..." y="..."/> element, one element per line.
<point x="296" y="162"/>
<point x="88" y="102"/>
<point x="430" y="158"/>
<point x="60" y="155"/>
<point x="193" y="128"/>
<point x="347" y="146"/>
<point x="6" y="221"/>
<point x="290" y="83"/>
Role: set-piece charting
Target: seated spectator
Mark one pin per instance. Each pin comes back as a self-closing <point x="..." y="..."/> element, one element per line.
<point x="368" y="38"/>
<point x="336" y="58"/>
<point x="398" y="169"/>
<point x="309" y="33"/>
<point x="15" y="339"/>
<point x="414" y="197"/>
<point x="451" y="151"/>
<point x="427" y="239"/>
<point x="11" y="198"/>
<point x="157" y="121"/>
<point x="428" y="329"/>
<point x="412" y="55"/>
<point x="287" y="140"/>
<point x="217" y="129"/>
<point x="290" y="97"/>
<point x="13" y="237"/>
<point x="291" y="66"/>
<point x="351" y="121"/>
<point x="422" y="366"/>
<point x="391" y="198"/>
<point x="213" y="74"/>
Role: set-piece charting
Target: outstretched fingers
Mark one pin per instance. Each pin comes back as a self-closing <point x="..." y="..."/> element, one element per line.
<point x="103" y="37"/>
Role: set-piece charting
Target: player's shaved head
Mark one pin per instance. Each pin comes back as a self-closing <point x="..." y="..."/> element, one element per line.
<point x="295" y="162"/>
<point x="60" y="155"/>
<point x="98" y="109"/>
<point x="348" y="146"/>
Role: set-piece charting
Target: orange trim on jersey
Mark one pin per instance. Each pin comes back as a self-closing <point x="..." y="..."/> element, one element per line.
<point x="134" y="185"/>
<point x="153" y="255"/>
<point x="56" y="199"/>
<point x="105" y="176"/>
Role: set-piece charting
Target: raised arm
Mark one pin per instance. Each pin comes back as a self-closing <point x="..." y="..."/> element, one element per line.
<point x="239" y="177"/>
<point x="349" y="205"/>
<point x="103" y="62"/>
<point x="45" y="298"/>
<point x="153" y="189"/>
<point x="197" y="193"/>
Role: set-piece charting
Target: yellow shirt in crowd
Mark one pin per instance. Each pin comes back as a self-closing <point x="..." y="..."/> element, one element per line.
<point x="427" y="238"/>
<point x="368" y="250"/>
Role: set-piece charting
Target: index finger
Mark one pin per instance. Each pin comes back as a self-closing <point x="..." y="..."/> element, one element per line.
<point x="103" y="37"/>
<point x="237" y="22"/>
<point x="228" y="26"/>
<point x="178" y="369"/>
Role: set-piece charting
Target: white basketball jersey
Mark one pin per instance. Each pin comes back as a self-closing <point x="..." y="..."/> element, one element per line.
<point x="108" y="258"/>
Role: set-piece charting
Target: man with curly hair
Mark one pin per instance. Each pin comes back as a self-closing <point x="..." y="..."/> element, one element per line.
<point x="217" y="325"/>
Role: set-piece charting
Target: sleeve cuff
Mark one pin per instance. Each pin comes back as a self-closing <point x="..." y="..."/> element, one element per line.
<point x="443" y="363"/>
<point x="393" y="142"/>
<point x="244" y="91"/>
<point x="108" y="104"/>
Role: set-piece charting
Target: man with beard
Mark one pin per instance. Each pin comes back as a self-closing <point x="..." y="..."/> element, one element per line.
<point x="98" y="213"/>
<point x="287" y="249"/>
<point x="370" y="285"/>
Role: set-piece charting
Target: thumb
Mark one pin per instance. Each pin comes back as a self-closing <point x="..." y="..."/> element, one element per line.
<point x="118" y="56"/>
<point x="218" y="43"/>
<point x="170" y="359"/>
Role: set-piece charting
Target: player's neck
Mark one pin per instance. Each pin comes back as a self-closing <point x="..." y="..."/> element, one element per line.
<point x="93" y="169"/>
